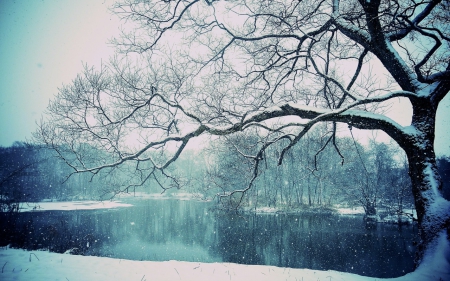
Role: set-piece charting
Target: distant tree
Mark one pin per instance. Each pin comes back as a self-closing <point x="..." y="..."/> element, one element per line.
<point x="19" y="177"/>
<point x="29" y="173"/>
<point x="232" y="173"/>
<point x="220" y="67"/>
<point x="397" y="191"/>
<point x="373" y="177"/>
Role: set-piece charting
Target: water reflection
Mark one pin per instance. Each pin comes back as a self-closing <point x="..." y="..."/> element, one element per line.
<point x="317" y="242"/>
<point x="185" y="230"/>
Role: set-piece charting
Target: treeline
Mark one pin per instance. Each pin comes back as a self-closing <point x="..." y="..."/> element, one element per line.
<point x="320" y="171"/>
<point x="29" y="173"/>
<point x="317" y="172"/>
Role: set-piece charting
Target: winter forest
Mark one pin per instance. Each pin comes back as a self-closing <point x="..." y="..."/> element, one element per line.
<point x="249" y="133"/>
<point x="373" y="176"/>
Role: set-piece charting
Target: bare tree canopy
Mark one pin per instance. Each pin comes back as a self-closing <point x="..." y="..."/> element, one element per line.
<point x="190" y="68"/>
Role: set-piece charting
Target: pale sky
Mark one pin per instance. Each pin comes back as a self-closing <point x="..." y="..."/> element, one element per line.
<point x="43" y="44"/>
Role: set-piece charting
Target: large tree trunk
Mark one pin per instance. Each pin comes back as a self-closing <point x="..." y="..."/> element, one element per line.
<point x="433" y="211"/>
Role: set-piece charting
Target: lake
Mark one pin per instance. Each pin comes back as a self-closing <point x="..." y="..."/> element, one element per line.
<point x="161" y="230"/>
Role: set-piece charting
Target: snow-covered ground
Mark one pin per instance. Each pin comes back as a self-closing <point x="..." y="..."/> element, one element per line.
<point x="407" y="217"/>
<point x="71" y="205"/>
<point x="351" y="211"/>
<point x="42" y="265"/>
<point x="49" y="205"/>
<point x="355" y="211"/>
<point x="174" y="195"/>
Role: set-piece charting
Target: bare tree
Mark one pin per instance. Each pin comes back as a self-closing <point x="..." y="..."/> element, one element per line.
<point x="190" y="68"/>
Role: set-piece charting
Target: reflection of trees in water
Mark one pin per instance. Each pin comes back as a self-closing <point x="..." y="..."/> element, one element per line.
<point x="55" y="231"/>
<point x="316" y="242"/>
<point x="97" y="232"/>
<point x="169" y="229"/>
<point x="238" y="239"/>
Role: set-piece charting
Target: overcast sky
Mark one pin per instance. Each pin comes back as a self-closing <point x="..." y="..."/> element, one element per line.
<point x="43" y="44"/>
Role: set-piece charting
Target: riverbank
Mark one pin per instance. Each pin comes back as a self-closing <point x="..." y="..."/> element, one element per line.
<point x="70" y="205"/>
<point x="383" y="215"/>
<point x="128" y="198"/>
<point x="41" y="265"/>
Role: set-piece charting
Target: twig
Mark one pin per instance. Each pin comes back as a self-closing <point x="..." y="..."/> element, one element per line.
<point x="34" y="255"/>
<point x="4" y="266"/>
<point x="177" y="272"/>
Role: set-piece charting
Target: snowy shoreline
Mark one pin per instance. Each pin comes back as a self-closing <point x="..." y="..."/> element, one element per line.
<point x="41" y="265"/>
<point x="407" y="218"/>
<point x="70" y="205"/>
<point x="110" y="204"/>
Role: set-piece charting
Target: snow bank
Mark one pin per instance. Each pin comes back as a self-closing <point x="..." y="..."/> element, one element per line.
<point x="264" y="210"/>
<point x="72" y="205"/>
<point x="351" y="211"/>
<point x="141" y="195"/>
<point x="436" y="261"/>
<point x="40" y="265"/>
<point x="405" y="218"/>
<point x="175" y="195"/>
<point x="396" y="218"/>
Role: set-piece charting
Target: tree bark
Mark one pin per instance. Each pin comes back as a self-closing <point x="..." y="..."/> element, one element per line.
<point x="433" y="211"/>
